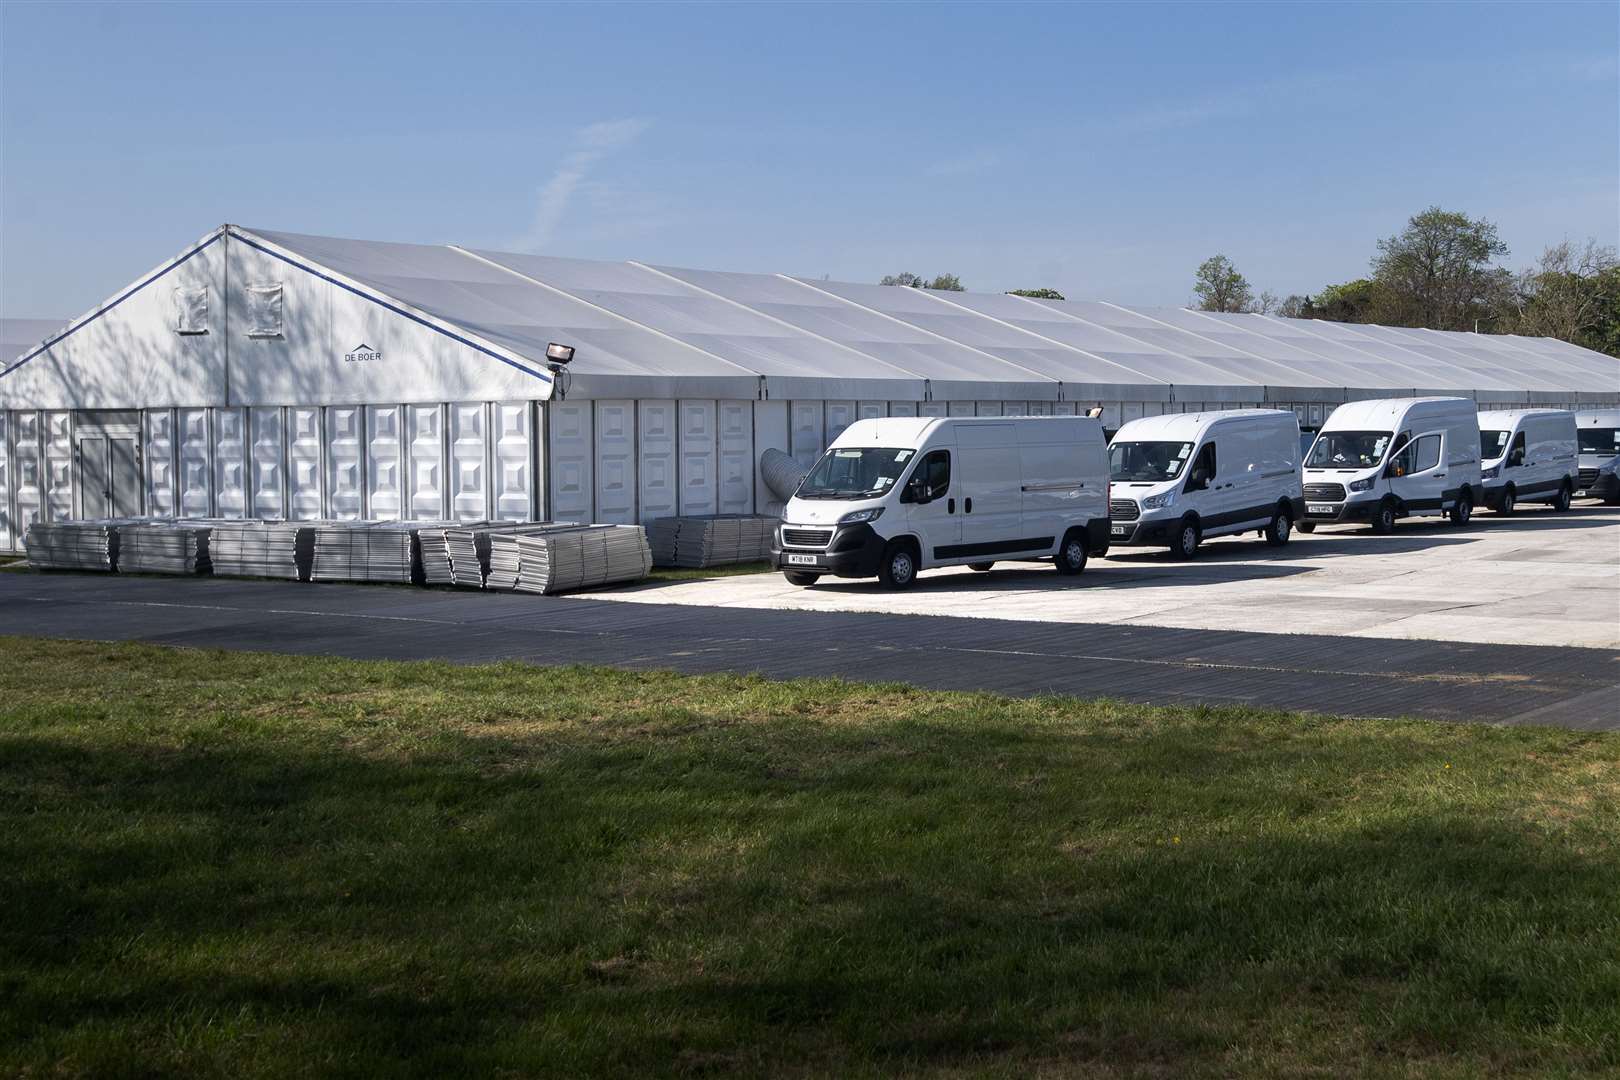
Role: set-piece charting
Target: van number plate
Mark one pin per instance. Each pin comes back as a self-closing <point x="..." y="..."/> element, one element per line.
<point x="1321" y="508"/>
<point x="1120" y="530"/>
<point x="801" y="560"/>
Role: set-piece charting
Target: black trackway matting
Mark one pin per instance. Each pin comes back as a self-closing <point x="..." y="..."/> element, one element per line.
<point x="1565" y="687"/>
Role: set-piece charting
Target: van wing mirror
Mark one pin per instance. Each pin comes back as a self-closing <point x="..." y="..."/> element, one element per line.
<point x="916" y="489"/>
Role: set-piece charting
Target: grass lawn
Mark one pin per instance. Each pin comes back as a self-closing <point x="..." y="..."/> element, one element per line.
<point x="671" y="573"/>
<point x="244" y="865"/>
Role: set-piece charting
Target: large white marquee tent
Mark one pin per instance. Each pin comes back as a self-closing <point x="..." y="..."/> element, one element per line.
<point x="269" y="374"/>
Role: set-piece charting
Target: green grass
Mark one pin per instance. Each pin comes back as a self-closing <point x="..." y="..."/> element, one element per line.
<point x="670" y="573"/>
<point x="244" y="865"/>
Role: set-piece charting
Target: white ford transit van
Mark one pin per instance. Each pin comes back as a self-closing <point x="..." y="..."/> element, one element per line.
<point x="1183" y="478"/>
<point x="897" y="495"/>
<point x="1381" y="460"/>
<point x="1527" y="455"/>
<point x="1597" y="436"/>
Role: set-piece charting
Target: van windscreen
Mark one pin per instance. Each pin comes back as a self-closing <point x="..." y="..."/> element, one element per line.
<point x="1348" y="450"/>
<point x="1492" y="444"/>
<point x="1147" y="462"/>
<point x="1599" y="440"/>
<point x="850" y="472"/>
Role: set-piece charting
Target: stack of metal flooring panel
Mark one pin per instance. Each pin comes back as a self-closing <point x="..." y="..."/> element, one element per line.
<point x="435" y="547"/>
<point x="381" y="551"/>
<point x="701" y="541"/>
<point x="165" y="547"/>
<point x="470" y="549"/>
<point x="568" y="557"/>
<point x="278" y="549"/>
<point x="73" y="545"/>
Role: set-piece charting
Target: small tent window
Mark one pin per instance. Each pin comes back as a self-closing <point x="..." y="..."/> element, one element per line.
<point x="264" y="310"/>
<point x="191" y="309"/>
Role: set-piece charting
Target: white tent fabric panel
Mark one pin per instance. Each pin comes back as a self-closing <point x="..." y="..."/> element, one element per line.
<point x="699" y="488"/>
<point x="268" y="472"/>
<point x="345" y="470"/>
<point x="304" y="479"/>
<point x="193" y="470"/>
<point x="28" y="496"/>
<point x="6" y="535"/>
<point x="807" y="432"/>
<point x="425" y="464"/>
<point x="1310" y="369"/>
<point x="989" y="408"/>
<point x="469" y="462"/>
<point x="655" y="467"/>
<point x="513" y="454"/>
<point x="570" y="454"/>
<point x="736" y="456"/>
<point x="615" y="460"/>
<point x="961" y="408"/>
<point x="772" y="431"/>
<point x="871" y="410"/>
<point x="939" y="408"/>
<point x="158" y="452"/>
<point x="839" y="415"/>
<point x="230" y="463"/>
<point x="384" y="459"/>
<point x="902" y="408"/>
<point x="1358" y="366"/>
<point x="58" y="466"/>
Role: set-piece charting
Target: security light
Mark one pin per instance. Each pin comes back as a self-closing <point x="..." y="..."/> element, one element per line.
<point x="559" y="354"/>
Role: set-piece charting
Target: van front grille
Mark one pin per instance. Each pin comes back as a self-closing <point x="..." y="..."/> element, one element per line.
<point x="1588" y="478"/>
<point x="806" y="537"/>
<point x="1325" y="492"/>
<point x="1124" y="510"/>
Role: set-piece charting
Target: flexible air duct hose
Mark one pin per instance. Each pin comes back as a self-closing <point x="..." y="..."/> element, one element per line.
<point x="780" y="472"/>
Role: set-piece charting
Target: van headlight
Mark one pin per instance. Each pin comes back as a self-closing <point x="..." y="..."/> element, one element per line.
<point x="855" y="517"/>
<point x="1159" y="502"/>
<point x="1491" y="473"/>
<point x="1362" y="485"/>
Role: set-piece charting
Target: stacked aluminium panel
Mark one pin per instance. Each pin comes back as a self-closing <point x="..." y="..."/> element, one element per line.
<point x="702" y="541"/>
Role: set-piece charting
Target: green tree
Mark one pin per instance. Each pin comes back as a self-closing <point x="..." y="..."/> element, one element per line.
<point x="1038" y="294"/>
<point x="1220" y="287"/>
<point x="1572" y="294"/>
<point x="907" y="279"/>
<point x="1293" y="306"/>
<point x="943" y="282"/>
<point x="947" y="283"/>
<point x="1354" y="301"/>
<point x="1438" y="272"/>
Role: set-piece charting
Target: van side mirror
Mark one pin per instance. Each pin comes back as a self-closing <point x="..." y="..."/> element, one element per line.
<point x="916" y="490"/>
<point x="1197" y="480"/>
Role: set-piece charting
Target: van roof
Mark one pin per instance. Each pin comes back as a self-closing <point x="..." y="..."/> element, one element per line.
<point x="1599" y="418"/>
<point x="1191" y="426"/>
<point x="1383" y="414"/>
<point x="1509" y="417"/>
<point x="913" y="430"/>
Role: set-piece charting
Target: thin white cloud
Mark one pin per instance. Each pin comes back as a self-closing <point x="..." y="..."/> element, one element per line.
<point x="978" y="161"/>
<point x="592" y="143"/>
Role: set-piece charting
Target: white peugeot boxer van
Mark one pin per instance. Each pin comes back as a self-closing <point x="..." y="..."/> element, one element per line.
<point x="1597" y="436"/>
<point x="897" y="495"/>
<point x="1527" y="455"/>
<point x="1183" y="478"/>
<point x="1388" y="458"/>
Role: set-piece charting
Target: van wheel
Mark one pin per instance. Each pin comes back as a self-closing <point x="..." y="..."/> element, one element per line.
<point x="1281" y="527"/>
<point x="1186" y="543"/>
<point x="1462" y="509"/>
<point x="1508" y="500"/>
<point x="1306" y="526"/>
<point x="898" y="570"/>
<point x="1384" y="518"/>
<point x="981" y="567"/>
<point x="1561" y="503"/>
<point x="1071" y="557"/>
<point x="800" y="578"/>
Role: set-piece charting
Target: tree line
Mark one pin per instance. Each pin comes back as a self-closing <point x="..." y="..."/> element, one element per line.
<point x="1441" y="272"/>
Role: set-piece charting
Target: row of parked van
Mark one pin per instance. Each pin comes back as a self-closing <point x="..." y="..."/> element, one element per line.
<point x="892" y="497"/>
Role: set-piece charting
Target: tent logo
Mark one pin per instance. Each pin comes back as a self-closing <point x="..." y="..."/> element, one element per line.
<point x="362" y="353"/>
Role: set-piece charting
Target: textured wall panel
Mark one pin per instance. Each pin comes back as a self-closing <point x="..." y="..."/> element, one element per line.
<point x="700" y="479"/>
<point x="230" y="463"/>
<point x="655" y="464"/>
<point x="989" y="408"/>
<point x="157" y="452"/>
<point x="1040" y="408"/>
<point x="27" y="470"/>
<point x="572" y="457"/>
<point x="902" y="408"/>
<point x="807" y="432"/>
<point x="385" y="460"/>
<point x="514" y="444"/>
<point x="7" y="539"/>
<point x="58" y="466"/>
<point x="193" y="470"/>
<point x="345" y="476"/>
<point x="615" y="498"/>
<point x="735" y="423"/>
<point x="1014" y="408"/>
<point x="840" y="414"/>
<point x="770" y="433"/>
<point x="304" y="464"/>
<point x="424" y="434"/>
<point x="269" y="474"/>
<point x="469" y="461"/>
<point x="1063" y="408"/>
<point x="872" y="410"/>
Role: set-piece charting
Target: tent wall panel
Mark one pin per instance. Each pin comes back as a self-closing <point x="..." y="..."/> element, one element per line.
<point x="943" y="408"/>
<point x="28" y="496"/>
<point x="384" y="460"/>
<point x="194" y="471"/>
<point x="230" y="463"/>
<point x="655" y="465"/>
<point x="425" y="463"/>
<point x="158" y="450"/>
<point x="571" y="455"/>
<point x="7" y="538"/>
<point x="304" y="474"/>
<point x="962" y="408"/>
<point x="872" y="410"/>
<point x="1065" y="408"/>
<point x="1040" y="408"/>
<point x="345" y="462"/>
<point x="988" y="408"/>
<point x="268" y="466"/>
<point x="735" y="423"/>
<point x="469" y="461"/>
<point x="616" y="461"/>
<point x="58" y="466"/>
<point x="1015" y="408"/>
<point x="809" y="436"/>
<point x="514" y="461"/>
<point x="902" y="408"/>
<point x="840" y="414"/>
<point x="699" y="471"/>
<point x="771" y="432"/>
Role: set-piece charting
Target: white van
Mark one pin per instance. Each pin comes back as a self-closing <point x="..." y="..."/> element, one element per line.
<point x="1597" y="439"/>
<point x="1527" y="455"/>
<point x="1184" y="478"/>
<point x="1381" y="460"/>
<point x="894" y="496"/>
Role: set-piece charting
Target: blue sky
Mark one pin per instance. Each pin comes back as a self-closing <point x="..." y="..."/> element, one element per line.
<point x="1101" y="150"/>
